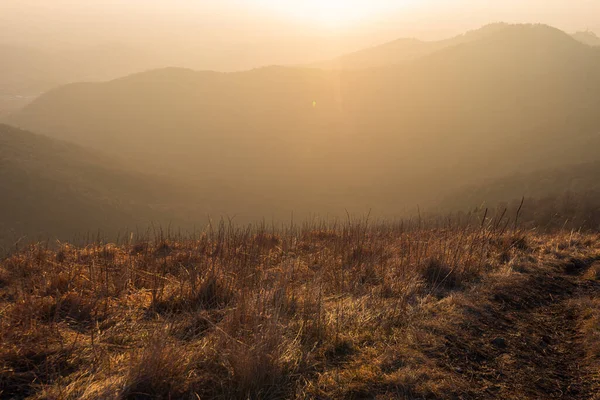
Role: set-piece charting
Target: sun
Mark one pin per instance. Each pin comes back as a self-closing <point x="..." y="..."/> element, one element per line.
<point x="338" y="12"/>
<point x="331" y="13"/>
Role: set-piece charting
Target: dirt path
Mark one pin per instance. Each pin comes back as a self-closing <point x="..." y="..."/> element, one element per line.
<point x="524" y="342"/>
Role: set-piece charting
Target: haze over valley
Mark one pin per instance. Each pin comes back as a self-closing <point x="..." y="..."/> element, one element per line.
<point x="317" y="199"/>
<point x="407" y="131"/>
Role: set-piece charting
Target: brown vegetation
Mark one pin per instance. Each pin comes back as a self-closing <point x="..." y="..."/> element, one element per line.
<point x="353" y="310"/>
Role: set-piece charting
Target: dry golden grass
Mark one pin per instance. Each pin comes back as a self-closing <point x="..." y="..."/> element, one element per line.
<point x="352" y="310"/>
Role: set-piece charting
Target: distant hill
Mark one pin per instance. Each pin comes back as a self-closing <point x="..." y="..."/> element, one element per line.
<point x="52" y="189"/>
<point x="26" y="72"/>
<point x="587" y="37"/>
<point x="403" y="50"/>
<point x="518" y="98"/>
<point x="409" y="49"/>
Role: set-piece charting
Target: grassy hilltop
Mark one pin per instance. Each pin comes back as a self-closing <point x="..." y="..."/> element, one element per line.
<point x="454" y="308"/>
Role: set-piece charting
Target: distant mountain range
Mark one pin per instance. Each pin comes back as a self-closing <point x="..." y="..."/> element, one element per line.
<point x="26" y="72"/>
<point x="409" y="49"/>
<point x="501" y="101"/>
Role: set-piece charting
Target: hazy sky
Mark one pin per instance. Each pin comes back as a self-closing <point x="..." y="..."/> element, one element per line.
<point x="285" y="30"/>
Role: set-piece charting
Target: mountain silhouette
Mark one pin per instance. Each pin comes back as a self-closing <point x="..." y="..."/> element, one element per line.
<point x="402" y="50"/>
<point x="515" y="98"/>
<point x="587" y="37"/>
<point x="53" y="189"/>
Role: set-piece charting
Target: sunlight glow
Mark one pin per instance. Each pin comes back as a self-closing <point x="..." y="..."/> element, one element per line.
<point x="333" y="13"/>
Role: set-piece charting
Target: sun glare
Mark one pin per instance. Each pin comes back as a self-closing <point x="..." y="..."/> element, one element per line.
<point x="332" y="13"/>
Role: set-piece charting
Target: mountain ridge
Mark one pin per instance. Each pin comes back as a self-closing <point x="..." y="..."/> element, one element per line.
<point x="405" y="50"/>
<point x="520" y="99"/>
<point x="55" y="189"/>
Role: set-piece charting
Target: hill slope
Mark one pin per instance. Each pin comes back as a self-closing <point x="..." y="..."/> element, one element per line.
<point x="519" y="99"/>
<point x="587" y="37"/>
<point x="55" y="189"/>
<point x="565" y="197"/>
<point x="26" y="72"/>
<point x="578" y="178"/>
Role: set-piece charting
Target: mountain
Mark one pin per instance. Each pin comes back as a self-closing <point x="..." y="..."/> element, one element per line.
<point x="26" y="72"/>
<point x="53" y="189"/>
<point x="409" y="49"/>
<point x="516" y="99"/>
<point x="403" y="50"/>
<point x="587" y="37"/>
